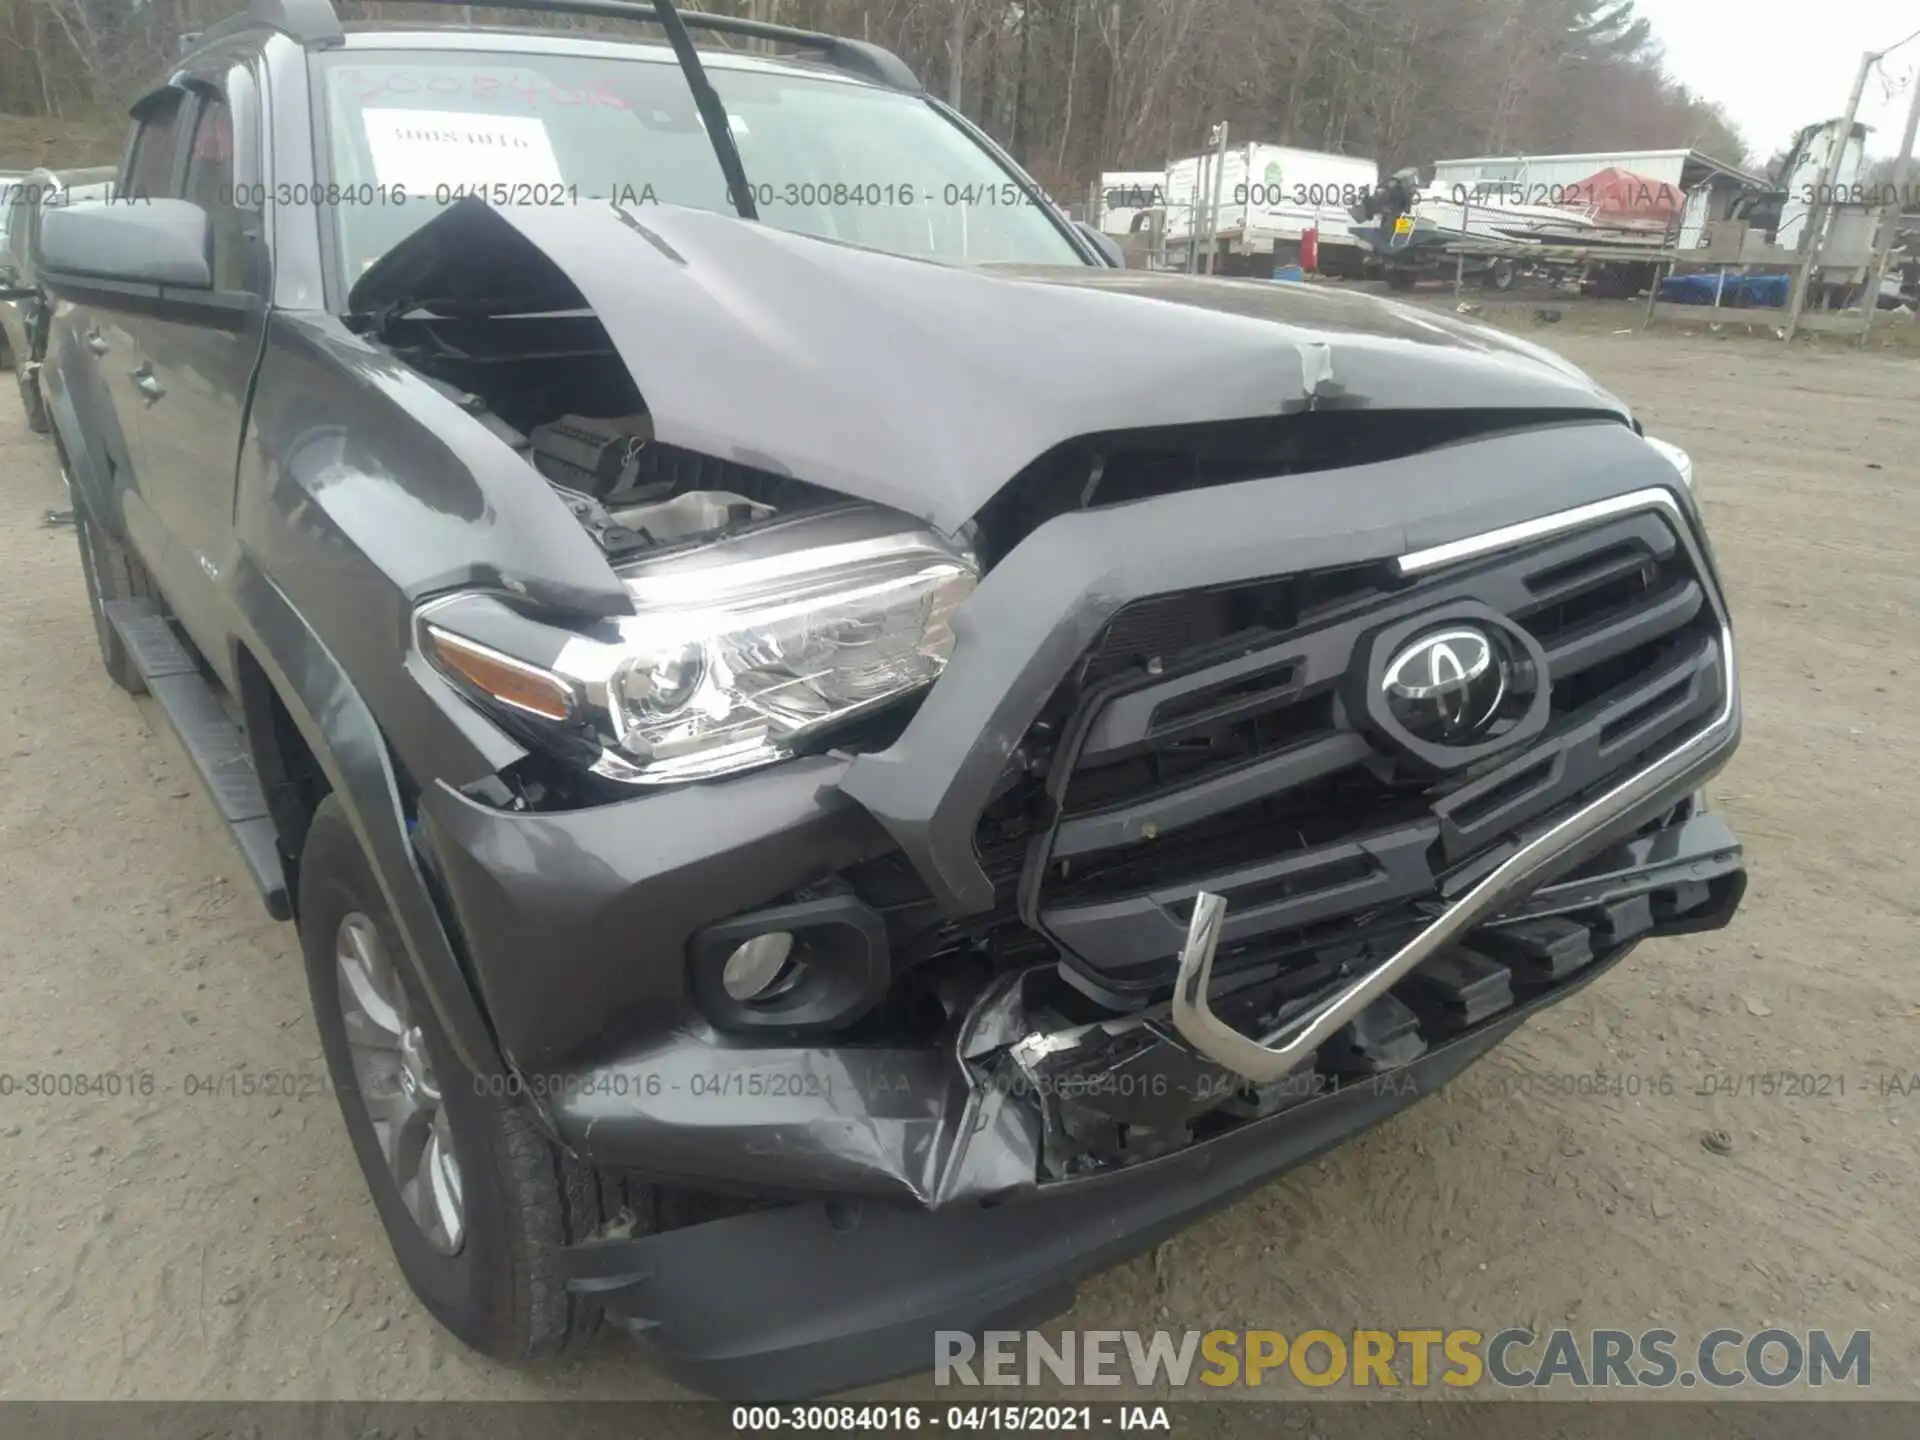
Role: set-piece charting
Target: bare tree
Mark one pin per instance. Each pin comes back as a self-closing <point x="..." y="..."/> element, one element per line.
<point x="1080" y="86"/>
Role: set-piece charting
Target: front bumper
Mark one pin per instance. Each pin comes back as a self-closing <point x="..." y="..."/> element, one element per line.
<point x="813" y="1298"/>
<point x="911" y="1123"/>
<point x="822" y="1294"/>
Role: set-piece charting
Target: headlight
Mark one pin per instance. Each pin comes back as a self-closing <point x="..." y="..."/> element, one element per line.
<point x="738" y="651"/>
<point x="1677" y="457"/>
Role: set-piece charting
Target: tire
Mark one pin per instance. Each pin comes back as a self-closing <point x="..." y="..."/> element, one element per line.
<point x="520" y="1201"/>
<point x="1400" y="279"/>
<point x="33" y="403"/>
<point x="1501" y="275"/>
<point x="111" y="572"/>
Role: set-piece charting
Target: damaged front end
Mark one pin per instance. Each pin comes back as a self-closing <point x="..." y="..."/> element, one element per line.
<point x="934" y="847"/>
<point x="1213" y="876"/>
<point x="1108" y="1093"/>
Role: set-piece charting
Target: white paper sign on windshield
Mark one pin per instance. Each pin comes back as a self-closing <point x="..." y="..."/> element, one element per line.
<point x="422" y="150"/>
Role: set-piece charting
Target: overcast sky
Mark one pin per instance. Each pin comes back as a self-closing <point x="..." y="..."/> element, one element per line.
<point x="1779" y="64"/>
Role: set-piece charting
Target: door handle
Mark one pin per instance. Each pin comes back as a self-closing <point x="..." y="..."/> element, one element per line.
<point x="148" y="384"/>
<point x="96" y="342"/>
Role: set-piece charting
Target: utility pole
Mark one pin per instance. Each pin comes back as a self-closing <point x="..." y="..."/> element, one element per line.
<point x="1201" y="214"/>
<point x="1890" y="221"/>
<point x="1197" y="210"/>
<point x="1213" y="211"/>
<point x="1823" y="196"/>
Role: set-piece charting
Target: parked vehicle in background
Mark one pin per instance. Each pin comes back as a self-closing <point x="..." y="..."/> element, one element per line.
<point x="1126" y="198"/>
<point x="1411" y="247"/>
<point x="9" y="182"/>
<point x="841" y="762"/>
<point x="1269" y="197"/>
<point x="25" y="308"/>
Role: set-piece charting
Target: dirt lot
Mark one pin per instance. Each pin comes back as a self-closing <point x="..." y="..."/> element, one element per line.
<point x="182" y="1244"/>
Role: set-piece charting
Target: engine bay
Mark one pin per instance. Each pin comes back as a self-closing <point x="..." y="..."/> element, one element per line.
<point x="607" y="470"/>
<point x="553" y="389"/>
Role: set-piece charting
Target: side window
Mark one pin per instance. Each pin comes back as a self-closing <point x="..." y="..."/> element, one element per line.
<point x="150" y="171"/>
<point x="210" y="185"/>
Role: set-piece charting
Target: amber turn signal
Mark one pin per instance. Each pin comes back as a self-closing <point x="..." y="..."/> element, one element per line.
<point x="511" y="682"/>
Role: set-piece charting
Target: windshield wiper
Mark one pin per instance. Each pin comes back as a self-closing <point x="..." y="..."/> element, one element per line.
<point x="857" y="57"/>
<point x="713" y="113"/>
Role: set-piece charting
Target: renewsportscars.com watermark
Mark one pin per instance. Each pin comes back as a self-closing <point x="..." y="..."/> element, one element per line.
<point x="1410" y="1359"/>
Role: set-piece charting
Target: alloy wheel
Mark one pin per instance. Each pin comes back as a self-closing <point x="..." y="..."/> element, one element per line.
<point x="397" y="1084"/>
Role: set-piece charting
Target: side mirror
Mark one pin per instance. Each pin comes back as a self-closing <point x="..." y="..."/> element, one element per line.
<point x="141" y="242"/>
<point x="1108" y="247"/>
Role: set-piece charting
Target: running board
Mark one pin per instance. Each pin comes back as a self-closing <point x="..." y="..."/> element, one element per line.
<point x="213" y="742"/>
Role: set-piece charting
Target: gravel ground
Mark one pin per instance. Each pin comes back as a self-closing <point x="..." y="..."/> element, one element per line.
<point x="195" y="1242"/>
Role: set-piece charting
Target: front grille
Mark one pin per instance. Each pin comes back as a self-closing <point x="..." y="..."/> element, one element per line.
<point x="1215" y="740"/>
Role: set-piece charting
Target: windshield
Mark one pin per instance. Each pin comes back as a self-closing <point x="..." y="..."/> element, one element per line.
<point x="410" y="132"/>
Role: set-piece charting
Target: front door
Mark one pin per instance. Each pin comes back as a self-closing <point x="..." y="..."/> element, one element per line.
<point x="103" y="372"/>
<point x="199" y="349"/>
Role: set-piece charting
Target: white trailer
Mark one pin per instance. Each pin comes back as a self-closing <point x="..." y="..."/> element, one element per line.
<point x="1550" y="179"/>
<point x="1707" y="186"/>
<point x="1127" y="194"/>
<point x="1267" y="193"/>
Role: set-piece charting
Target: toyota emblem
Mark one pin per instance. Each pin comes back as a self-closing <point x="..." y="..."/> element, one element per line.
<point x="1446" y="686"/>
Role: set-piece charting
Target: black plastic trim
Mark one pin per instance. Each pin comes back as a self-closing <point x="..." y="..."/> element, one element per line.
<point x="1359" y="874"/>
<point x="841" y="981"/>
<point x="1283" y="770"/>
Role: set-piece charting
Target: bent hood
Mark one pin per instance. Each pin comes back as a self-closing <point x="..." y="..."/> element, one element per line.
<point x="927" y="387"/>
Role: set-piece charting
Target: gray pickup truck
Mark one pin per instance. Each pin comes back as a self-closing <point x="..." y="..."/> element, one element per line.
<point x="840" y="761"/>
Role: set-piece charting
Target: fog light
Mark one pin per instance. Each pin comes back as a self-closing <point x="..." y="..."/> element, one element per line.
<point x="809" y="966"/>
<point x="753" y="969"/>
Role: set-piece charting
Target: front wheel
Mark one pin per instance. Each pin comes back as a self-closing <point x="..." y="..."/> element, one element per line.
<point x="1400" y="279"/>
<point x="477" y="1203"/>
